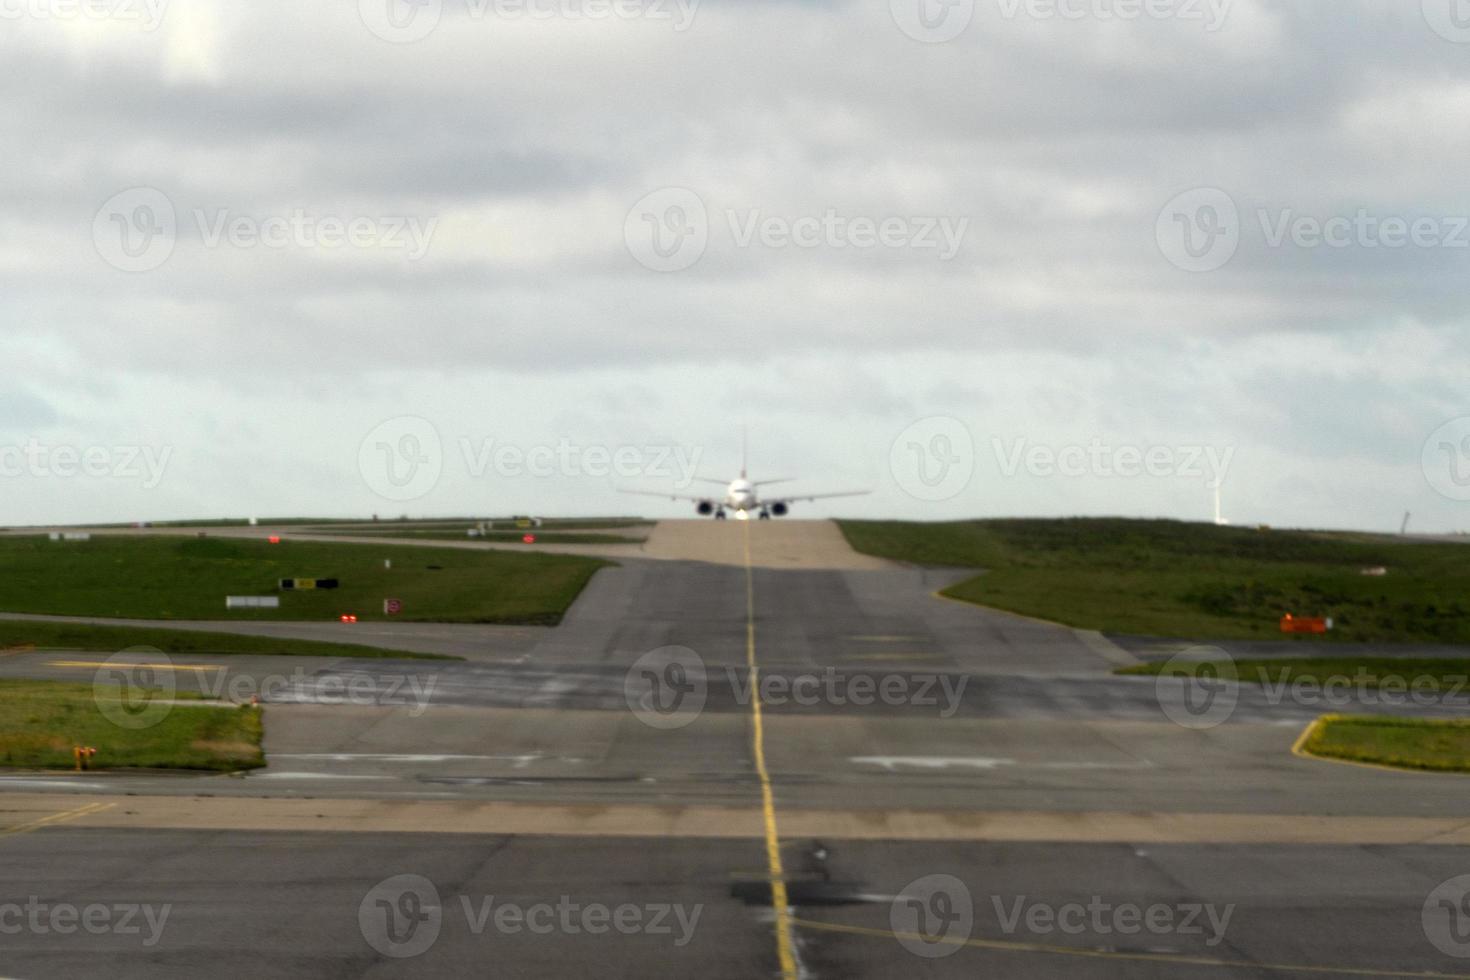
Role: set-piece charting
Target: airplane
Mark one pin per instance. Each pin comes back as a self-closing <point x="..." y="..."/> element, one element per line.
<point x="743" y="496"/>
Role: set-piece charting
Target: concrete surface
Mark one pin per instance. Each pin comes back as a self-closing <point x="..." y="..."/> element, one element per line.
<point x="302" y="903"/>
<point x="527" y="773"/>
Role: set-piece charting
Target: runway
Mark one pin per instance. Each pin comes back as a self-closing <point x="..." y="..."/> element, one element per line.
<point x="295" y="903"/>
<point x="632" y="757"/>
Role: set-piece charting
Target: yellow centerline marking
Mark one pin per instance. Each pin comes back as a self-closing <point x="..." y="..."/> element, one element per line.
<point x="55" y="818"/>
<point x="785" y="949"/>
<point x="118" y="663"/>
<point x="1108" y="954"/>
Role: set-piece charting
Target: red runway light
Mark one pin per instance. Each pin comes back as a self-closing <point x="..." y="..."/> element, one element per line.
<point x="529" y="539"/>
<point x="349" y="618"/>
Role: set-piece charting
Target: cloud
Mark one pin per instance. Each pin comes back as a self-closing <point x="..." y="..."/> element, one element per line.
<point x="518" y="147"/>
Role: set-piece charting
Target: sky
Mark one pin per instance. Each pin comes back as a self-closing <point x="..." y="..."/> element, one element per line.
<point x="979" y="257"/>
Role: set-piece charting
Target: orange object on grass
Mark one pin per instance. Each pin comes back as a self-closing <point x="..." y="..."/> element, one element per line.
<point x="1305" y="624"/>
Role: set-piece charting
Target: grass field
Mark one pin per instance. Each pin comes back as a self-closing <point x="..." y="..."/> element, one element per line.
<point x="562" y="523"/>
<point x="1167" y="578"/>
<point x="41" y="722"/>
<point x="188" y="578"/>
<point x="501" y="537"/>
<point x="508" y="523"/>
<point x="207" y="522"/>
<point x="21" y="634"/>
<point x="1404" y="743"/>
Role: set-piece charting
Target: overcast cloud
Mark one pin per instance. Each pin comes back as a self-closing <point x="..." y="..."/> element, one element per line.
<point x="260" y="244"/>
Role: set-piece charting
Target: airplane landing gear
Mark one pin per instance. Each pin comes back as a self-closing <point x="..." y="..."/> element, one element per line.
<point x="720" y="515"/>
<point x="765" y="514"/>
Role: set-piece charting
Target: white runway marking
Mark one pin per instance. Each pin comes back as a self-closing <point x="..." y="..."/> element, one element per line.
<point x="893" y="762"/>
<point x="517" y="761"/>
<point x="310" y="775"/>
<point x="379" y="757"/>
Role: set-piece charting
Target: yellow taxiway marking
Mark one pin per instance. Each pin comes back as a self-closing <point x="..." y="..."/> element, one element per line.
<point x="55" y="818"/>
<point x="1178" y="959"/>
<point x="118" y="663"/>
<point x="785" y="948"/>
<point x="1299" y="746"/>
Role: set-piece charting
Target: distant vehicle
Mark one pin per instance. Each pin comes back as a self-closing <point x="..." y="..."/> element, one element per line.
<point x="743" y="497"/>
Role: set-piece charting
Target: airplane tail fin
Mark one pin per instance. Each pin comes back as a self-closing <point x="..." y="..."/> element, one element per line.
<point x="744" y="439"/>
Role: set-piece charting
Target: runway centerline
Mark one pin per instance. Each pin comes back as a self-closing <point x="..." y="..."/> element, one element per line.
<point x="785" y="948"/>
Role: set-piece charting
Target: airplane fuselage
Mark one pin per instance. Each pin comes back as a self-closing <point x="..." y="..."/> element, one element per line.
<point x="743" y="499"/>
<point x="741" y="496"/>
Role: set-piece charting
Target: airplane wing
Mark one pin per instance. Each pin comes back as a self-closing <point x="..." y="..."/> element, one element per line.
<point x="813" y="496"/>
<point x="670" y="496"/>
